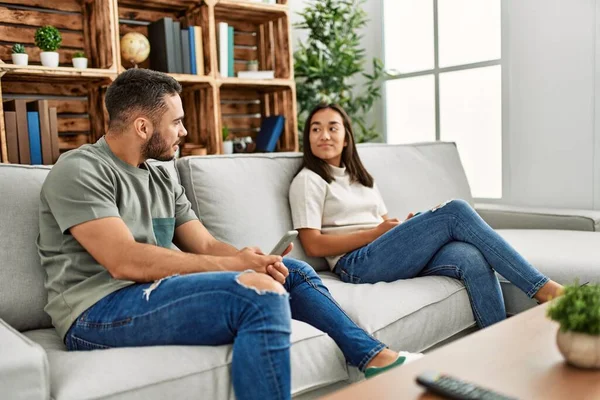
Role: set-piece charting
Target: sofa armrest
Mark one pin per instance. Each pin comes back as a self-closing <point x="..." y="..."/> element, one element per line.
<point x="24" y="371"/>
<point x="500" y="216"/>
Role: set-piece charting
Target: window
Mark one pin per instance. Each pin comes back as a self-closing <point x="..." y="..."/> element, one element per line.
<point x="447" y="81"/>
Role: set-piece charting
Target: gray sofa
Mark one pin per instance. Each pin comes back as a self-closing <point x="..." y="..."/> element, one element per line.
<point x="243" y="200"/>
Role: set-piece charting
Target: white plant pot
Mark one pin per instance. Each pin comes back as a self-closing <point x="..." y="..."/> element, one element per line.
<point x="80" y="62"/>
<point x="579" y="349"/>
<point x="228" y="147"/>
<point x="49" y="58"/>
<point x="20" y="58"/>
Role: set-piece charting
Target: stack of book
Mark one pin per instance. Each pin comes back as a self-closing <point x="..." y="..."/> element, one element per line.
<point x="174" y="49"/>
<point x="31" y="132"/>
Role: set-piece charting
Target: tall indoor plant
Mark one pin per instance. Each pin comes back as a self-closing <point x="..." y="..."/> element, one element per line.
<point x="578" y="313"/>
<point x="328" y="63"/>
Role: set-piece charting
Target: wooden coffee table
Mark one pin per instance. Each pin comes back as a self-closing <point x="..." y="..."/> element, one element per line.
<point x="517" y="357"/>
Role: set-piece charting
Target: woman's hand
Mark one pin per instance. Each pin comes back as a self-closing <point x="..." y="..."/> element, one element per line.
<point x="386" y="226"/>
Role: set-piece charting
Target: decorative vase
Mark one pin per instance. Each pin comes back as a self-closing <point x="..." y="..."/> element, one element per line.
<point x="579" y="349"/>
<point x="80" y="62"/>
<point x="49" y="58"/>
<point x="20" y="58"/>
<point x="228" y="147"/>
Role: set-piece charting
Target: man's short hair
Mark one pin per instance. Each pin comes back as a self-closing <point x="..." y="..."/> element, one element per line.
<point x="138" y="91"/>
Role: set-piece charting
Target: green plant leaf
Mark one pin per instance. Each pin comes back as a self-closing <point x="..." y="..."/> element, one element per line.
<point x="48" y="38"/>
<point x="578" y="309"/>
<point x="328" y="62"/>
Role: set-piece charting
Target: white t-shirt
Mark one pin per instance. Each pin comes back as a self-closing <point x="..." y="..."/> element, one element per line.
<point x="339" y="207"/>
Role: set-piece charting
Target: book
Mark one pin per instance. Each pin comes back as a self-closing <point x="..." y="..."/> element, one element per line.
<point x="270" y="131"/>
<point x="54" y="133"/>
<point x="199" y="50"/>
<point x="177" y="47"/>
<point x="222" y="41"/>
<point x="41" y="106"/>
<point x="256" y="74"/>
<point x="185" y="50"/>
<point x="35" y="142"/>
<point x="192" y="41"/>
<point x="162" y="53"/>
<point x="230" y="65"/>
<point x="20" y="108"/>
<point x="12" y="140"/>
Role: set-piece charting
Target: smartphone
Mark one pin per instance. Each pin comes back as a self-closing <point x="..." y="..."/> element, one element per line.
<point x="283" y="243"/>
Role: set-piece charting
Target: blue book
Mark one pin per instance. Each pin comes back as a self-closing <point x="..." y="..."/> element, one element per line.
<point x="193" y="69"/>
<point x="270" y="131"/>
<point x="230" y="33"/>
<point x="35" y="142"/>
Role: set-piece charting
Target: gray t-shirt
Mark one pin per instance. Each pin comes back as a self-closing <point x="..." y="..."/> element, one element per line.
<point x="91" y="183"/>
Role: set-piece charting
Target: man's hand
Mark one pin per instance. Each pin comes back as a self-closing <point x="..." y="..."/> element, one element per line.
<point x="409" y="216"/>
<point x="253" y="258"/>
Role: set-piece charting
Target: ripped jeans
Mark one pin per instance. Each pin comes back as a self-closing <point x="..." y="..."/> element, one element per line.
<point x="450" y="240"/>
<point x="214" y="308"/>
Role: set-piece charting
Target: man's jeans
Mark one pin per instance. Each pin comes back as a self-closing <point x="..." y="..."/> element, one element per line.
<point x="451" y="240"/>
<point x="214" y="308"/>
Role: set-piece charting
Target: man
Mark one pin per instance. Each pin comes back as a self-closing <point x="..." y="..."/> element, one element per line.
<point x="107" y="221"/>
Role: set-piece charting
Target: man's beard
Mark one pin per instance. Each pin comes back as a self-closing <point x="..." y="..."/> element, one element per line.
<point x="157" y="148"/>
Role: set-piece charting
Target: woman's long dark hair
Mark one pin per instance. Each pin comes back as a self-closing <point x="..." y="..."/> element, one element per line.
<point x="350" y="158"/>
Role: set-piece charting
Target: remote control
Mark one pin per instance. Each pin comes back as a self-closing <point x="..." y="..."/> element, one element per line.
<point x="453" y="388"/>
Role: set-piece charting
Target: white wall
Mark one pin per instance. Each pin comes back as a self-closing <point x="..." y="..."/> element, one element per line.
<point x="551" y="53"/>
<point x="550" y="126"/>
<point x="371" y="42"/>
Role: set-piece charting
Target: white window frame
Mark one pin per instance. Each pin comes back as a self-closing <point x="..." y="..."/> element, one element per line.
<point x="436" y="71"/>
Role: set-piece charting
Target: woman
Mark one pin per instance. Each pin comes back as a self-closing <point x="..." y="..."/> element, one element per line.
<point x="341" y="216"/>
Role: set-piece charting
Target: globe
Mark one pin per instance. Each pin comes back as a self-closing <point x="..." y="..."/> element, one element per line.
<point x="135" y="48"/>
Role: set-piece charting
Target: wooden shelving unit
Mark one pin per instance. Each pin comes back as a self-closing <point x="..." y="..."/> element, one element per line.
<point x="211" y="102"/>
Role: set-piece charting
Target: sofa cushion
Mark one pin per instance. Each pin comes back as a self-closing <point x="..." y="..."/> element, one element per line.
<point x="411" y="314"/>
<point x="561" y="255"/>
<point x="22" y="292"/>
<point x="416" y="177"/>
<point x="23" y="366"/>
<point x="243" y="199"/>
<point x="178" y="372"/>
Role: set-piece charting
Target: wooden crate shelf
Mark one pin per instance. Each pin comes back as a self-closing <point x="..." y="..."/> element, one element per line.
<point x="243" y="109"/>
<point x="261" y="32"/>
<point x="81" y="119"/>
<point x="85" y="26"/>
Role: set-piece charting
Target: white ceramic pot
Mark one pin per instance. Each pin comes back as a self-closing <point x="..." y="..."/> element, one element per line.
<point x="228" y="147"/>
<point x="49" y="58"/>
<point x="579" y="349"/>
<point x="80" y="62"/>
<point x="20" y="58"/>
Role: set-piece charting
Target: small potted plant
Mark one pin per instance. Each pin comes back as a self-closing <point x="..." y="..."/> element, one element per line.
<point x="578" y="313"/>
<point x="19" y="57"/>
<point x="227" y="141"/>
<point x="79" y="60"/>
<point x="48" y="39"/>
<point x="252" y="65"/>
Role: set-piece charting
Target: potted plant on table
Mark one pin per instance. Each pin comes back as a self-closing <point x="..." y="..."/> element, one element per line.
<point x="19" y="57"/>
<point x="48" y="39"/>
<point x="79" y="60"/>
<point x="578" y="313"/>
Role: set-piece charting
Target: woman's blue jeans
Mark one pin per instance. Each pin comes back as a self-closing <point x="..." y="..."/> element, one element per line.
<point x="452" y="241"/>
<point x="214" y="308"/>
